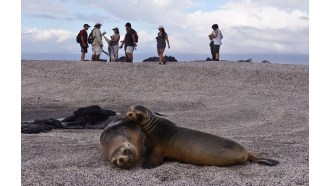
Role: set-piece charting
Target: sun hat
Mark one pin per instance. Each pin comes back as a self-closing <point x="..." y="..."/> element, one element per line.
<point x="161" y="26"/>
<point x="86" y="25"/>
<point x="98" y="24"/>
<point x="115" y="28"/>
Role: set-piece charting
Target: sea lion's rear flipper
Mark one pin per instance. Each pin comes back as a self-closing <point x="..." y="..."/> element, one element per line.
<point x="267" y="162"/>
<point x="262" y="161"/>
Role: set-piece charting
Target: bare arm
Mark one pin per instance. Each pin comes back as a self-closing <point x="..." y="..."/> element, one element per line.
<point x="122" y="43"/>
<point x="107" y="40"/>
<point x="168" y="42"/>
<point x="214" y="34"/>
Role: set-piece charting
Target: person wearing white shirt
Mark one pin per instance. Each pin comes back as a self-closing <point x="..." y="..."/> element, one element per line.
<point x="216" y="36"/>
<point x="97" y="42"/>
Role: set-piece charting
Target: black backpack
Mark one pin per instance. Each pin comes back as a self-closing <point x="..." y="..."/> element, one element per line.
<point x="78" y="37"/>
<point x="90" y="38"/>
<point x="135" y="35"/>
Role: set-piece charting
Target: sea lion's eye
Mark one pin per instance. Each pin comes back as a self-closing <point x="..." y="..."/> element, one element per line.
<point x="121" y="160"/>
<point x="125" y="152"/>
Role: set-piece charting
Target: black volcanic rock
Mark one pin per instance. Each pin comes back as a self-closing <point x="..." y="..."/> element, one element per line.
<point x="122" y="59"/>
<point x="93" y="114"/>
<point x="88" y="116"/>
<point x="151" y="59"/>
<point x="92" y="117"/>
<point x="265" y="61"/>
<point x="156" y="59"/>
<point x="245" y="61"/>
<point x="38" y="126"/>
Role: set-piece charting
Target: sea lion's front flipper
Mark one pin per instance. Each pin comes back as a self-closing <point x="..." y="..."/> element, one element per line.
<point x="153" y="159"/>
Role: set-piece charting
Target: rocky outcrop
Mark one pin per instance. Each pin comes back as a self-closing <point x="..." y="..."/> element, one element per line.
<point x="265" y="61"/>
<point x="245" y="61"/>
<point x="122" y="59"/>
<point x="250" y="61"/>
<point x="92" y="117"/>
<point x="38" y="126"/>
<point x="156" y="59"/>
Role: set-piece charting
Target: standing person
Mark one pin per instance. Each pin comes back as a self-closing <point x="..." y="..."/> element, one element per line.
<point x="83" y="41"/>
<point x="130" y="41"/>
<point x="216" y="37"/>
<point x="211" y="49"/>
<point x="97" y="42"/>
<point x="114" y="44"/>
<point x="162" y="38"/>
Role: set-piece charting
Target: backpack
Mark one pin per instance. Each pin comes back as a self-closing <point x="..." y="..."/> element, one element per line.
<point x="90" y="38"/>
<point x="135" y="35"/>
<point x="78" y="38"/>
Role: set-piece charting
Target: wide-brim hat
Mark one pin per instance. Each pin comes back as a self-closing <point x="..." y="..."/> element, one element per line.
<point x="87" y="25"/>
<point x="98" y="24"/>
<point x="161" y="26"/>
<point x="115" y="28"/>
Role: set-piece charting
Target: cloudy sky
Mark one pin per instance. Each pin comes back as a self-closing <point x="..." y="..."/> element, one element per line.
<point x="248" y="26"/>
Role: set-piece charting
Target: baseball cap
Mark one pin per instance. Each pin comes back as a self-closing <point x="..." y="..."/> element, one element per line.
<point x="128" y="24"/>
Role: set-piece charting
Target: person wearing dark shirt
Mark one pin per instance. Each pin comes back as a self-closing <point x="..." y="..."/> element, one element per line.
<point x="83" y="41"/>
<point x="130" y="42"/>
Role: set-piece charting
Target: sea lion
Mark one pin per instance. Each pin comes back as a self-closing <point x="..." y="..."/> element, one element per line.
<point x="169" y="141"/>
<point x="123" y="143"/>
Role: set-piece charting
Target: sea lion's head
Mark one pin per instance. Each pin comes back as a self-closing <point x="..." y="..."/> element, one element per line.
<point x="124" y="157"/>
<point x="138" y="114"/>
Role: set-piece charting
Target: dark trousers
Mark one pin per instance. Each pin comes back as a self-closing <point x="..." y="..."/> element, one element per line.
<point x="212" y="50"/>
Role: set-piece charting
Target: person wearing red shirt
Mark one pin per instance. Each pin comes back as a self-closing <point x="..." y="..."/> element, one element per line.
<point x="83" y="43"/>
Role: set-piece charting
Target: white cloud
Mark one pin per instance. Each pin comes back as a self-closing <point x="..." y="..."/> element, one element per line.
<point x="43" y="8"/>
<point x="247" y="14"/>
<point x="249" y="26"/>
<point x="57" y="35"/>
<point x="287" y="5"/>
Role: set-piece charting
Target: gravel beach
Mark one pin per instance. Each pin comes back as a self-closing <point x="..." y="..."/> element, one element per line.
<point x="263" y="106"/>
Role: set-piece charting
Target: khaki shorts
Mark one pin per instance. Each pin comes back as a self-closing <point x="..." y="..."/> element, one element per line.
<point x="97" y="50"/>
<point x="129" y="49"/>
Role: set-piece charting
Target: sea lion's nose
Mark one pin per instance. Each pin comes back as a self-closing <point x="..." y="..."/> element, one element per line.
<point x="129" y="115"/>
<point x="121" y="160"/>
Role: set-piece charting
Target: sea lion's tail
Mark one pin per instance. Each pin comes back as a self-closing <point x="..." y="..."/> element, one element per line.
<point x="262" y="161"/>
